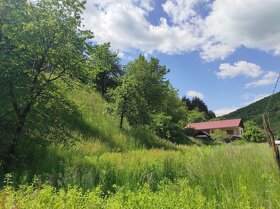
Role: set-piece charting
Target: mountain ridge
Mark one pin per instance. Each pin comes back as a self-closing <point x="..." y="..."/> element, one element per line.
<point x="255" y="110"/>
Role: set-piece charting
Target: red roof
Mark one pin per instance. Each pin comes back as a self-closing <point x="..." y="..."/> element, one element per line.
<point x="216" y="124"/>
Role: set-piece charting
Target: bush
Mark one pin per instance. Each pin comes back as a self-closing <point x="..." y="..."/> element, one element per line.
<point x="219" y="135"/>
<point x="164" y="127"/>
<point x="253" y="133"/>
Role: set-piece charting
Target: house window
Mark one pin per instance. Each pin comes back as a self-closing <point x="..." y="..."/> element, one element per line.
<point x="230" y="132"/>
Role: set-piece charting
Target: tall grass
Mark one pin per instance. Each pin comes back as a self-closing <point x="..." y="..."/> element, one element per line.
<point x="228" y="176"/>
<point x="104" y="127"/>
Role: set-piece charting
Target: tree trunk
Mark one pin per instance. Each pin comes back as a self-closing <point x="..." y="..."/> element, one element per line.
<point x="12" y="152"/>
<point x="121" y="122"/>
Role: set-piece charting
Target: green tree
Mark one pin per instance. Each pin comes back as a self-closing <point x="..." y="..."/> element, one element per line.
<point x="104" y="67"/>
<point x="187" y="102"/>
<point x="40" y="43"/>
<point x="128" y="102"/>
<point x="173" y="106"/>
<point x="195" y="116"/>
<point x="211" y="114"/>
<point x="253" y="133"/>
<point x="142" y="91"/>
<point x="150" y="76"/>
<point x="165" y="128"/>
<point x="198" y="104"/>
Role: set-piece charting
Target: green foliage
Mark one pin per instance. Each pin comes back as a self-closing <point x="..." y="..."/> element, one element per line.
<point x="166" y="129"/>
<point x="40" y="43"/>
<point x="145" y="98"/>
<point x="236" y="177"/>
<point x="107" y="167"/>
<point x="197" y="104"/>
<point x="130" y="103"/>
<point x="81" y="121"/>
<point x="173" y="106"/>
<point x="102" y="127"/>
<point x="178" y="195"/>
<point x="253" y="133"/>
<point x="211" y="114"/>
<point x="195" y="116"/>
<point x="104" y="68"/>
<point x="219" y="135"/>
<point x="255" y="110"/>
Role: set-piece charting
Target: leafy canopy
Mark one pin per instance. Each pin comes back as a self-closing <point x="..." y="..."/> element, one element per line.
<point x="40" y="43"/>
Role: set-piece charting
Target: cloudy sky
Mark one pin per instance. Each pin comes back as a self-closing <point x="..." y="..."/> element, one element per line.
<point x="227" y="52"/>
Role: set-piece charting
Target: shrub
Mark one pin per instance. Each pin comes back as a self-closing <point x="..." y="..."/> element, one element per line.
<point x="164" y="127"/>
<point x="219" y="135"/>
<point x="253" y="133"/>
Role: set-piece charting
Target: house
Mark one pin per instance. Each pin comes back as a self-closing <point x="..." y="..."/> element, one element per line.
<point x="233" y="127"/>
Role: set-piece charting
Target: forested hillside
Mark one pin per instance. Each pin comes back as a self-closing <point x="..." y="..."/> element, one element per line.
<point x="255" y="110"/>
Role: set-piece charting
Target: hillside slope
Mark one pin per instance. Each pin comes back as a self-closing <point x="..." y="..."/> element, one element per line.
<point x="79" y="125"/>
<point x="111" y="168"/>
<point x="255" y="110"/>
<point x="104" y="127"/>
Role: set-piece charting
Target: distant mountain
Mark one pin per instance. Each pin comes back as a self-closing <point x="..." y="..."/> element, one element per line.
<point x="255" y="110"/>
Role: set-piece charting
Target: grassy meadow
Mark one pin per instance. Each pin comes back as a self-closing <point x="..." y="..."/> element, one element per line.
<point x="132" y="168"/>
<point x="228" y="176"/>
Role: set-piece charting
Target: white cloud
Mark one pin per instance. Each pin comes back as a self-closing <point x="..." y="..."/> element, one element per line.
<point x="229" y="25"/>
<point x="183" y="11"/>
<point x="248" y="69"/>
<point x="124" y="23"/>
<point x="224" y="111"/>
<point x="193" y="93"/>
<point x="249" y="23"/>
<point x="212" y="51"/>
<point x="268" y="78"/>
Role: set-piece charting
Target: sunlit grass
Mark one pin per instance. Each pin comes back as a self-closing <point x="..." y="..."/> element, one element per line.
<point x="104" y="127"/>
<point x="227" y="176"/>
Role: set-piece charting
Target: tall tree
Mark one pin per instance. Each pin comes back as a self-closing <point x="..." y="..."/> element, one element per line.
<point x="197" y="103"/>
<point x="143" y="90"/>
<point x="150" y="76"/>
<point x="130" y="103"/>
<point x="173" y="106"/>
<point x="40" y="43"/>
<point x="104" y="67"/>
<point x="187" y="102"/>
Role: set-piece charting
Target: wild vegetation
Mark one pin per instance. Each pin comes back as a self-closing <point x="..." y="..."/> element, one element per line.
<point x="79" y="130"/>
<point x="232" y="176"/>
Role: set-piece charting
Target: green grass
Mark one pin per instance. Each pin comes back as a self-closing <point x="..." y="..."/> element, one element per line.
<point x="227" y="176"/>
<point x="102" y="127"/>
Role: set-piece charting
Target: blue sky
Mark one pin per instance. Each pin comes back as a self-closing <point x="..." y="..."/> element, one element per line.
<point x="224" y="51"/>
